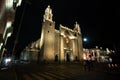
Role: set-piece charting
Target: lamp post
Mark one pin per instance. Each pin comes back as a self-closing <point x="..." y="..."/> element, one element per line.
<point x="85" y="40"/>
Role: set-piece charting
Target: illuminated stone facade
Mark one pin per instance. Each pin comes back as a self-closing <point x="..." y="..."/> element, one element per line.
<point x="58" y="45"/>
<point x="97" y="54"/>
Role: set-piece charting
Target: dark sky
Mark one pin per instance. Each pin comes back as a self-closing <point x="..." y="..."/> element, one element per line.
<point x="99" y="20"/>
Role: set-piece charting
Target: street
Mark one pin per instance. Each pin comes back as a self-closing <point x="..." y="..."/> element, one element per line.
<point x="54" y="71"/>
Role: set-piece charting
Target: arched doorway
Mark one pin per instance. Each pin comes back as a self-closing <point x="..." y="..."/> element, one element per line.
<point x="56" y="58"/>
<point x="68" y="57"/>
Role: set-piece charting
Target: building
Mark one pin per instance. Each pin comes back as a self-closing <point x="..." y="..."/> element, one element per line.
<point x="7" y="14"/>
<point x="62" y="45"/>
<point x="97" y="54"/>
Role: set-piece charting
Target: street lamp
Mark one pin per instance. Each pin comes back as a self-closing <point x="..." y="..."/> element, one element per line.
<point x="85" y="40"/>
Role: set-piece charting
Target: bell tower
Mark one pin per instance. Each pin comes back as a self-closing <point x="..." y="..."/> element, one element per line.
<point x="77" y="28"/>
<point x="48" y="36"/>
<point x="48" y="14"/>
<point x="79" y="40"/>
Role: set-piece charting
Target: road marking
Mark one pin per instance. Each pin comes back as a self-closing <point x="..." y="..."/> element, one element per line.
<point x="62" y="74"/>
<point x="37" y="77"/>
<point x="56" y="76"/>
<point x="46" y="76"/>
<point x="4" y="68"/>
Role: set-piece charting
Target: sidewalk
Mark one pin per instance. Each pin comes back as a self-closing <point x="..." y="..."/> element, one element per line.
<point x="7" y="74"/>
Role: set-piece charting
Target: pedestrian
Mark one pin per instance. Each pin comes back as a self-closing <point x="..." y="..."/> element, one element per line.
<point x="85" y="64"/>
<point x="89" y="65"/>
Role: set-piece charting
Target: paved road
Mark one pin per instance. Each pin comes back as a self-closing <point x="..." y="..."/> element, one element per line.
<point x="55" y="72"/>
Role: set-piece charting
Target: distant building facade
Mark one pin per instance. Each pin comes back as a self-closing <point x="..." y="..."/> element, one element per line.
<point x="58" y="45"/>
<point x="97" y="54"/>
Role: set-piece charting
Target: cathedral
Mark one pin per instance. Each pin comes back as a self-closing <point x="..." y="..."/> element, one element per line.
<point x="63" y="45"/>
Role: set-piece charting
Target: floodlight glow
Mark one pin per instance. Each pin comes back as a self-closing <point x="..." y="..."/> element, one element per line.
<point x="9" y="34"/>
<point x="1" y="44"/>
<point x="7" y="60"/>
<point x="84" y="56"/>
<point x="19" y="3"/>
<point x="9" y="4"/>
<point x="9" y="23"/>
<point x="72" y="37"/>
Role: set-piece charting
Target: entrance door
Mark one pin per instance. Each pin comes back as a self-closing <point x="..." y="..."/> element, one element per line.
<point x="68" y="57"/>
<point x="56" y="58"/>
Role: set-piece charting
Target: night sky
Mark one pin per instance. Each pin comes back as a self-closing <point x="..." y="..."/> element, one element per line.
<point x="99" y="21"/>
